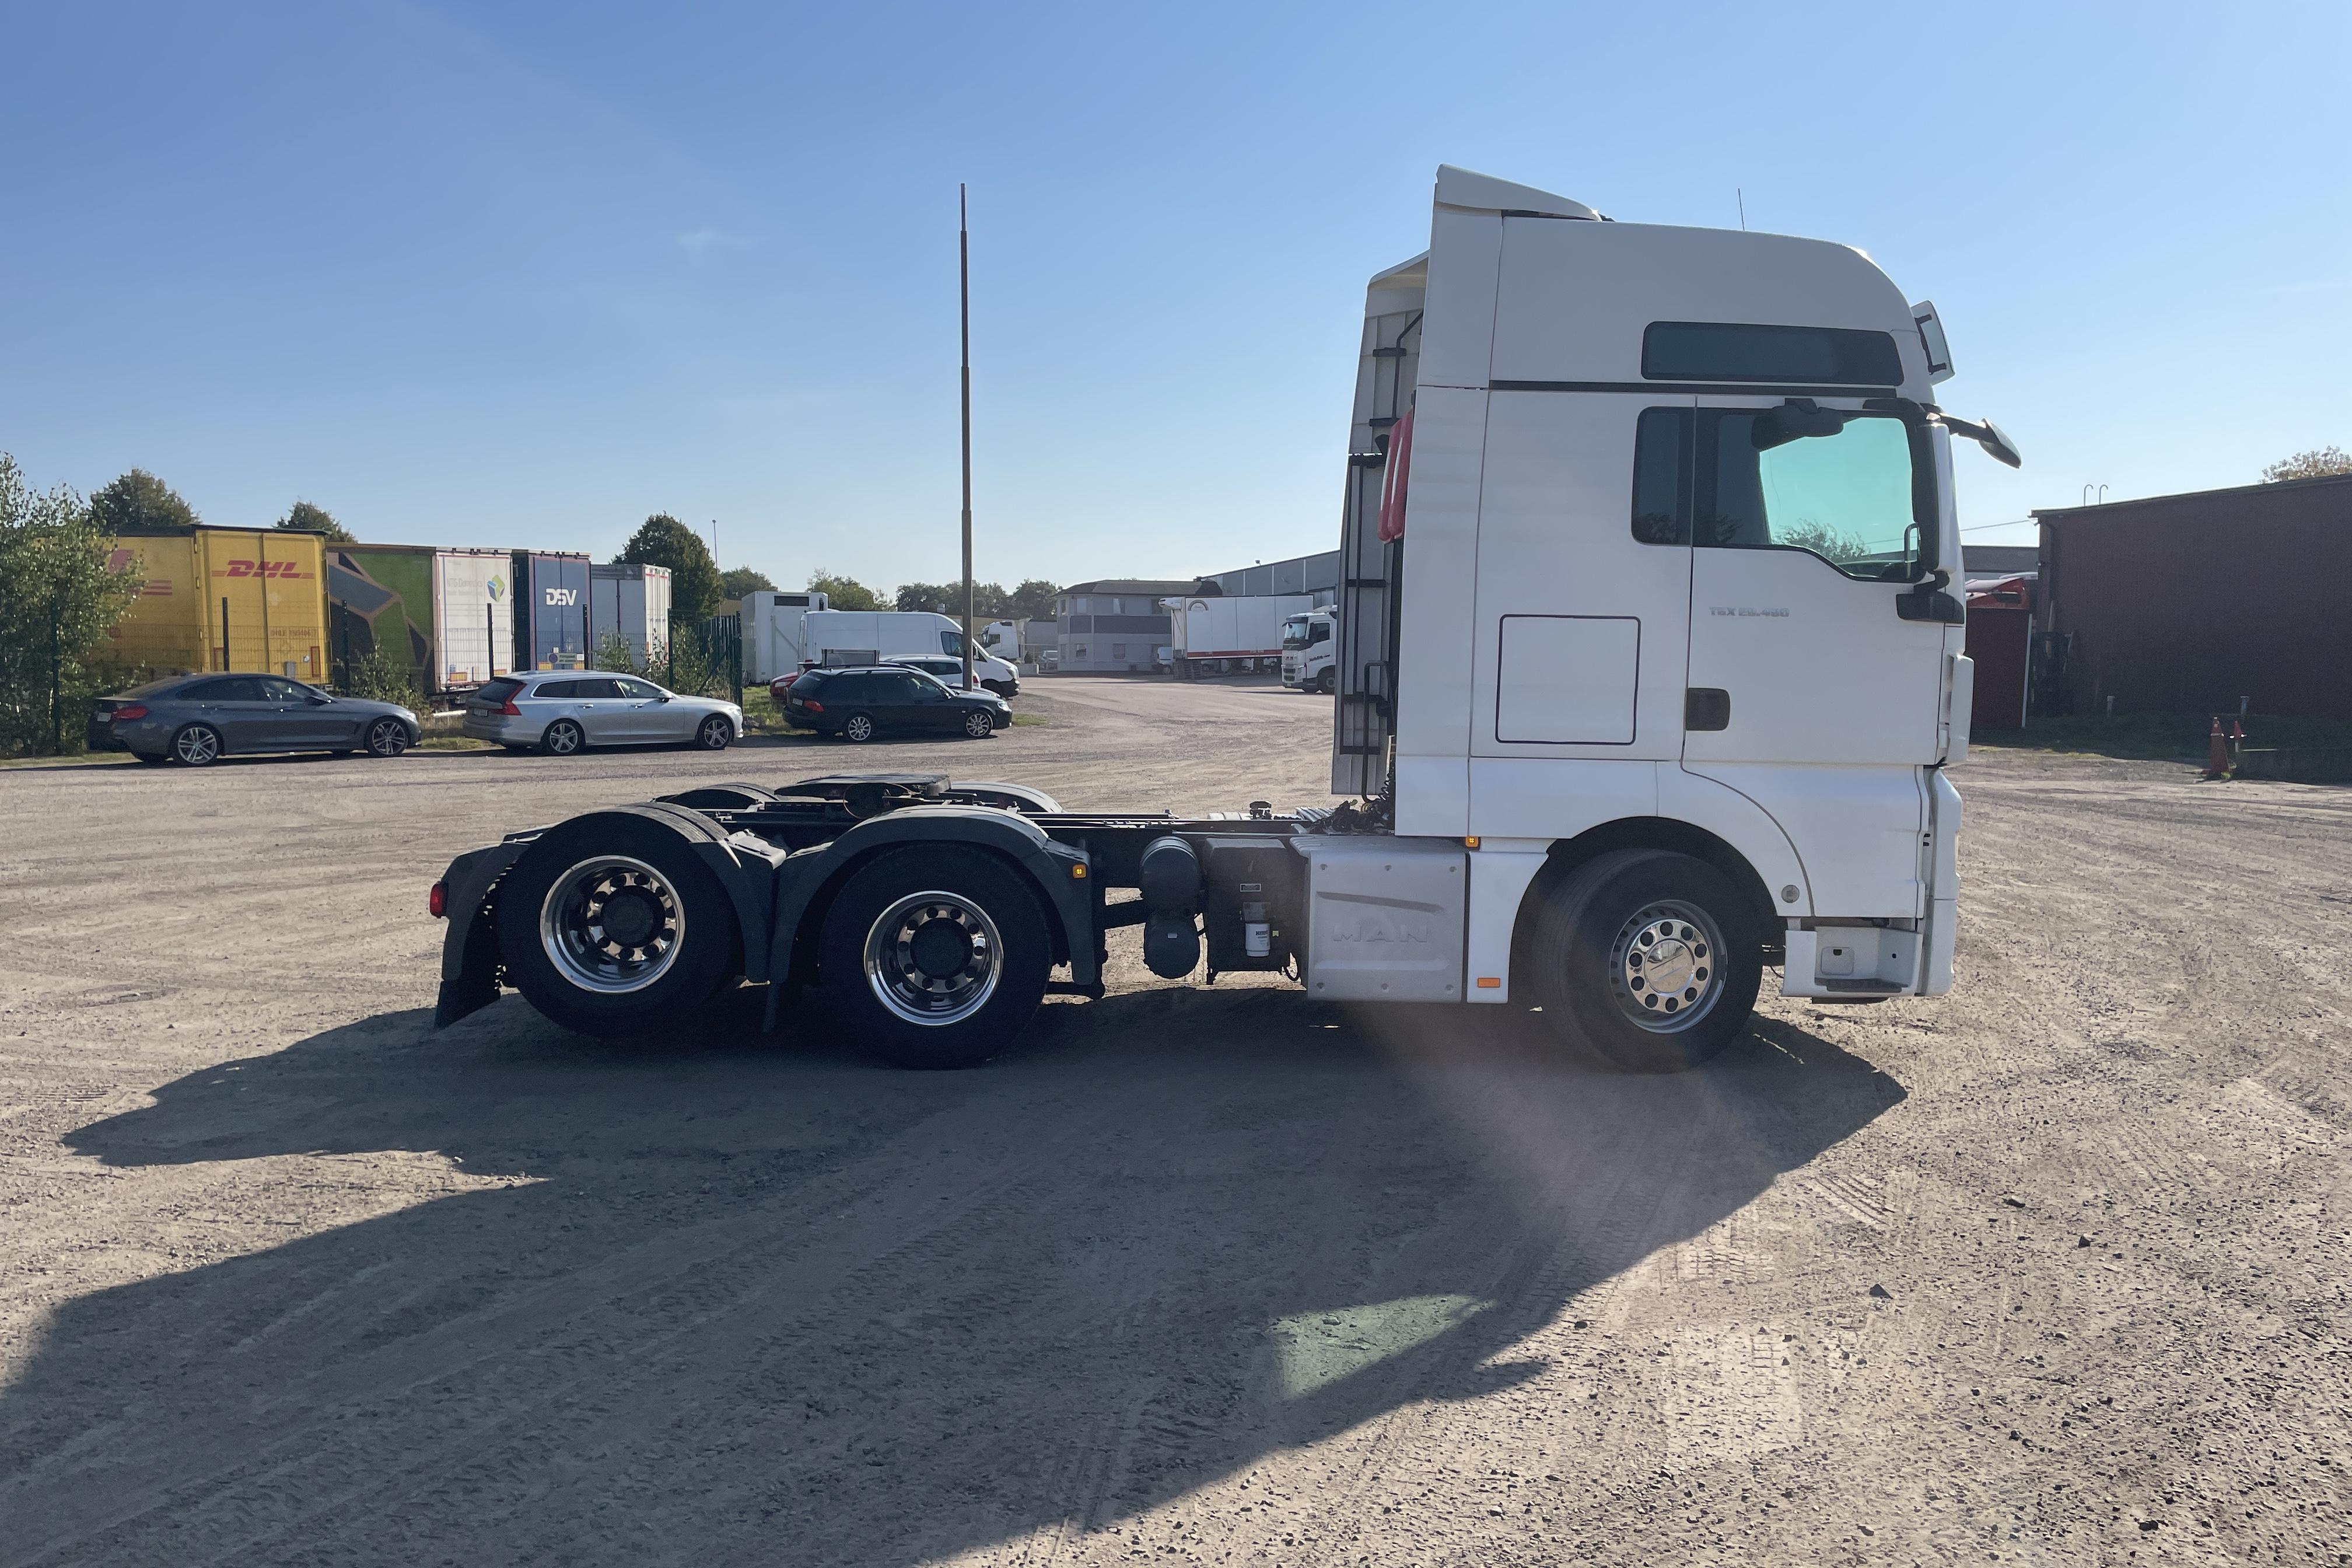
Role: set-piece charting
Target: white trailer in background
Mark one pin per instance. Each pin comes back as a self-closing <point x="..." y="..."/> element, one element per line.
<point x="1214" y="636"/>
<point x="1649" y="674"/>
<point x="631" y="603"/>
<point x="1003" y="640"/>
<point x="774" y="643"/>
<point x="473" y="617"/>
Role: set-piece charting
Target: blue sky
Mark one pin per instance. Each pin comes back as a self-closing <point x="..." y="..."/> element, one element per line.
<point x="520" y="274"/>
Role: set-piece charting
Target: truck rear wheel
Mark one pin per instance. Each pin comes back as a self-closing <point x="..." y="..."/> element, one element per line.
<point x="614" y="927"/>
<point x="1647" y="957"/>
<point x="935" y="955"/>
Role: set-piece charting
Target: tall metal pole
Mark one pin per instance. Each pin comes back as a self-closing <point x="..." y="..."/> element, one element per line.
<point x="963" y="286"/>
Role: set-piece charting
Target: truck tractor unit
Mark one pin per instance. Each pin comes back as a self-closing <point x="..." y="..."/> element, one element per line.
<point x="1310" y="652"/>
<point x="1647" y="674"/>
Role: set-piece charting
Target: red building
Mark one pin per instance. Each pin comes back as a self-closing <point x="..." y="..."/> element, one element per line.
<point x="2187" y="604"/>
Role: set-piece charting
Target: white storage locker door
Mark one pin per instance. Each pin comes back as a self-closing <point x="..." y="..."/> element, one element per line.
<point x="1567" y="679"/>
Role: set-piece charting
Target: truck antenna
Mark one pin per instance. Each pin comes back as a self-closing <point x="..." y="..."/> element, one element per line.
<point x="1741" y="196"/>
<point x="963" y="289"/>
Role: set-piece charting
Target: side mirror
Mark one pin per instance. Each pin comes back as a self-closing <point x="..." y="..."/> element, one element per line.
<point x="319" y="701"/>
<point x="1989" y="436"/>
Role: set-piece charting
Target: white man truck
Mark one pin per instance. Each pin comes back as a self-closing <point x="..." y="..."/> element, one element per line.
<point x="1648" y="676"/>
<point x="1310" y="651"/>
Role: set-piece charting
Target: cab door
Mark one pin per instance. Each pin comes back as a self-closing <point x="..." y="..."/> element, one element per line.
<point x="1810" y="691"/>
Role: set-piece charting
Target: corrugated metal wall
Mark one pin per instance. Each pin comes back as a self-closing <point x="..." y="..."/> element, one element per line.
<point x="2186" y="603"/>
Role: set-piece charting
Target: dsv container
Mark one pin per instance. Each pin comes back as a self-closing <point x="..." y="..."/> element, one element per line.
<point x="222" y="599"/>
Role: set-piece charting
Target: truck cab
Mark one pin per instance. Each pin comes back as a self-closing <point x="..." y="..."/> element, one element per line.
<point x="1309" y="652"/>
<point x="1649" y="533"/>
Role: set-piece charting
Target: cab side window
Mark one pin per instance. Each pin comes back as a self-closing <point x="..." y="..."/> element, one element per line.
<point x="1850" y="488"/>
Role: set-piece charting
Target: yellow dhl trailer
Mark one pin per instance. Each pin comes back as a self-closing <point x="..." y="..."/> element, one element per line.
<point x="225" y="598"/>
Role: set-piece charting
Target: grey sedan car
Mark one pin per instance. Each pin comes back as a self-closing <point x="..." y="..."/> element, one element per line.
<point x="562" y="711"/>
<point x="199" y="719"/>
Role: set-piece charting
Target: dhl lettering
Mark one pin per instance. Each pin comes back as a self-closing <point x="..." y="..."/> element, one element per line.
<point x="261" y="568"/>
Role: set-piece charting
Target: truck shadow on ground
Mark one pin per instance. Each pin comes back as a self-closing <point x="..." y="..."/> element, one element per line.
<point x="744" y="1299"/>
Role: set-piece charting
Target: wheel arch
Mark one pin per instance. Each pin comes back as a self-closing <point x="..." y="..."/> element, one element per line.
<point x="808" y="882"/>
<point x="1673" y="834"/>
<point x="471" y="971"/>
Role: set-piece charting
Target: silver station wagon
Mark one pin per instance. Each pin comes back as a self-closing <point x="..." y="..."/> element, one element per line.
<point x="562" y="712"/>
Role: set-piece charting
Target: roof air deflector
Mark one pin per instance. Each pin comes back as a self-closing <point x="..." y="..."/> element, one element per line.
<point x="1483" y="192"/>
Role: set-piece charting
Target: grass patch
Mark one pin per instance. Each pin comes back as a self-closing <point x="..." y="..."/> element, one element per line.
<point x="1023" y="718"/>
<point x="454" y="744"/>
<point x="2162" y="736"/>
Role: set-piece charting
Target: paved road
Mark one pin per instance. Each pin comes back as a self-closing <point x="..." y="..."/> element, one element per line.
<point x="2052" y="1271"/>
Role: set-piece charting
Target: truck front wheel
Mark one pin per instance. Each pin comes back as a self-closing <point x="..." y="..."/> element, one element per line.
<point x="1647" y="957"/>
<point x="935" y="955"/>
<point x="615" y="928"/>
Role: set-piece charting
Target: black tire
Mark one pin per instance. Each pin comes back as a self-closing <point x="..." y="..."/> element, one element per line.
<point x="961" y="881"/>
<point x="387" y="738"/>
<point x="978" y="725"/>
<point x="1582" y="955"/>
<point x="1328" y="682"/>
<point x="196" y="746"/>
<point x="153" y="757"/>
<point x="563" y="739"/>
<point x="860" y="728"/>
<point x="714" y="733"/>
<point x="557" y="884"/>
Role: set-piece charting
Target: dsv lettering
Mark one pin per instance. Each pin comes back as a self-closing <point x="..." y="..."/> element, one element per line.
<point x="563" y="596"/>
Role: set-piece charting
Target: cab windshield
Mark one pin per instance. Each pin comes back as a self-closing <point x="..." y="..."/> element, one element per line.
<point x="1294" y="632"/>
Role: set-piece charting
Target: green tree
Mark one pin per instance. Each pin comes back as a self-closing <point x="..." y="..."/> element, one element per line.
<point x="58" y="601"/>
<point x="139" y="500"/>
<point x="946" y="596"/>
<point x="316" y="520"/>
<point x="664" y="540"/>
<point x="738" y="581"/>
<point x="1033" y="600"/>
<point x="2316" y="463"/>
<point x="843" y="593"/>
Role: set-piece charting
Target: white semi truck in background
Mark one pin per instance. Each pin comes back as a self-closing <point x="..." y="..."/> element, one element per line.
<point x="1648" y="674"/>
<point x="1310" y="650"/>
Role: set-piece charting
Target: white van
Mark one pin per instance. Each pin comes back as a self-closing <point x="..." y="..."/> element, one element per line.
<point x="843" y="637"/>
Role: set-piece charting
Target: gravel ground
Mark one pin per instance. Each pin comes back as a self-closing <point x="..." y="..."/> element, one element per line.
<point x="2052" y="1270"/>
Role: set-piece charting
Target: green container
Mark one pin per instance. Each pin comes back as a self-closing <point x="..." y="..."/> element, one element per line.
<point x="380" y="600"/>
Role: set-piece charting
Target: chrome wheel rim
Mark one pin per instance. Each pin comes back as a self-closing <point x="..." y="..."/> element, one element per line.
<point x="1664" y="966"/>
<point x="563" y="739"/>
<point x="387" y="738"/>
<point x="977" y="725"/>
<point x="196" y="745"/>
<point x="933" y="958"/>
<point x="612" y="925"/>
<point x="714" y="733"/>
<point x="859" y="727"/>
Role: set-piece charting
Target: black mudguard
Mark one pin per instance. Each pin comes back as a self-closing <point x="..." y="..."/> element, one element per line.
<point x="470" y="970"/>
<point x="805" y="882"/>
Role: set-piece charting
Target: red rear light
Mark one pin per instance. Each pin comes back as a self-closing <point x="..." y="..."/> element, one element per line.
<point x="437" y="901"/>
<point x="510" y="710"/>
<point x="130" y="711"/>
<point x="812" y="706"/>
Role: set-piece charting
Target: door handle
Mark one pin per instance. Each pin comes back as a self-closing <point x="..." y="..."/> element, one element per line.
<point x="1707" y="707"/>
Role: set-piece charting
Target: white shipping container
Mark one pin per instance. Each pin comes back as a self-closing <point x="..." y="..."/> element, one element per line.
<point x="632" y="602"/>
<point x="473" y="616"/>
<point x="773" y="640"/>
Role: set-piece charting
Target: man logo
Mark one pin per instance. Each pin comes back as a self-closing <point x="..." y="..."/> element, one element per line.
<point x="1393" y="929"/>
